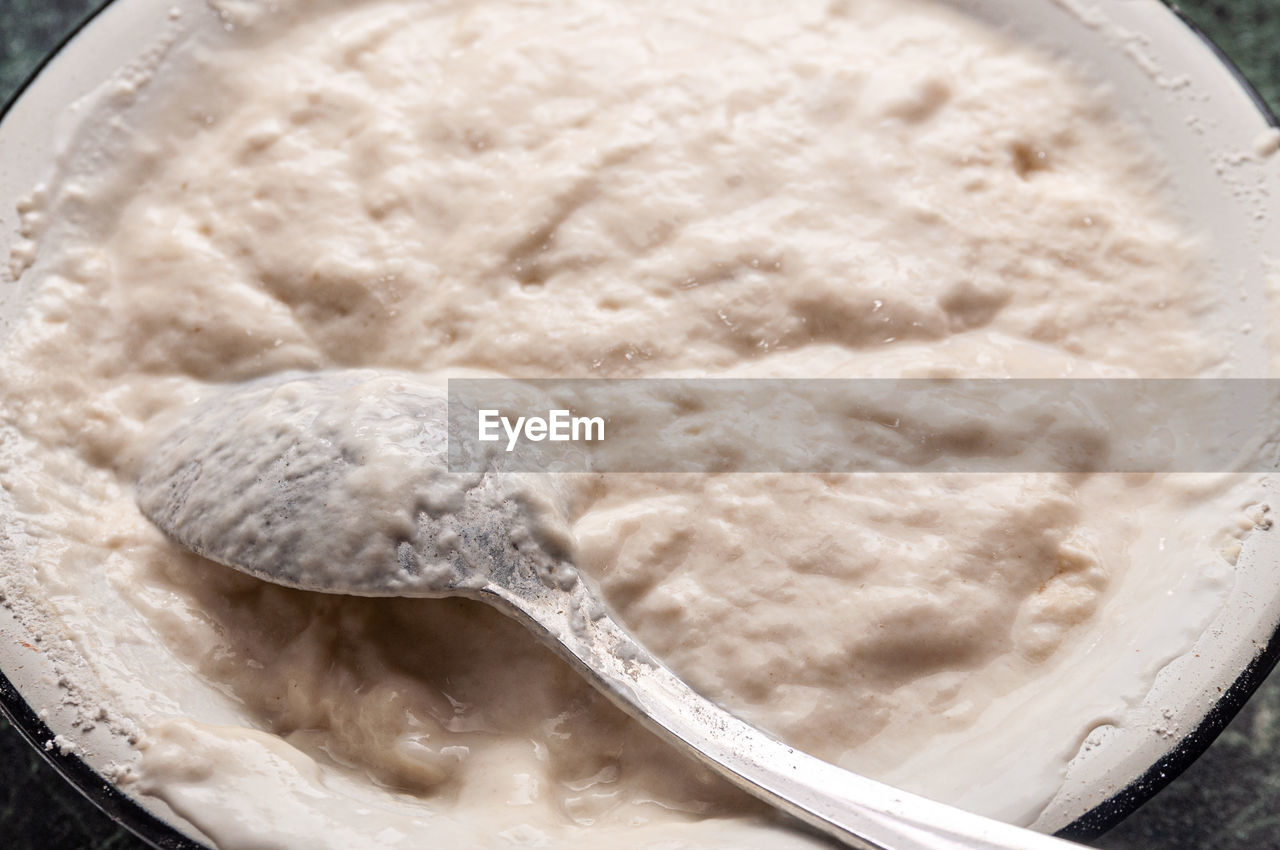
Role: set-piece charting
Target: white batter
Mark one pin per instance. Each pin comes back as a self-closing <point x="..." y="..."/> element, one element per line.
<point x="598" y="188"/>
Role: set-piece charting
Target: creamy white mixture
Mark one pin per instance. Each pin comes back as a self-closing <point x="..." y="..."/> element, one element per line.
<point x="597" y="188"/>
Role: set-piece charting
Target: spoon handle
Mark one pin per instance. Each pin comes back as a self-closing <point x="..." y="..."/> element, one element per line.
<point x="853" y="809"/>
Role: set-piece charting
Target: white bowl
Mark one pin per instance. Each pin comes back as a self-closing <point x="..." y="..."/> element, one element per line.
<point x="1208" y="124"/>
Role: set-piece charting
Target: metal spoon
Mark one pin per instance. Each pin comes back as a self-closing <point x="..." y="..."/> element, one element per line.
<point x="265" y="477"/>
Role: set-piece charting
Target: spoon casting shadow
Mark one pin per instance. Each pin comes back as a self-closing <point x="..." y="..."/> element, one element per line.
<point x="337" y="482"/>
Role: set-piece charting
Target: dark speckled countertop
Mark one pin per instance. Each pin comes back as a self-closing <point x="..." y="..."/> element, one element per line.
<point x="1228" y="800"/>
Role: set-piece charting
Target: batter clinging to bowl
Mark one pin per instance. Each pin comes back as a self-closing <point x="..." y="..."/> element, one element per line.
<point x="591" y="188"/>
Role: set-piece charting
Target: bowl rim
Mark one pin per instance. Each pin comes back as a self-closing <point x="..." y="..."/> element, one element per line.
<point x="123" y="810"/>
<point x="1191" y="746"/>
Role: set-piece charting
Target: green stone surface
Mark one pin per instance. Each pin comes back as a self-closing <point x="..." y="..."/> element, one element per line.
<point x="1228" y="800"/>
